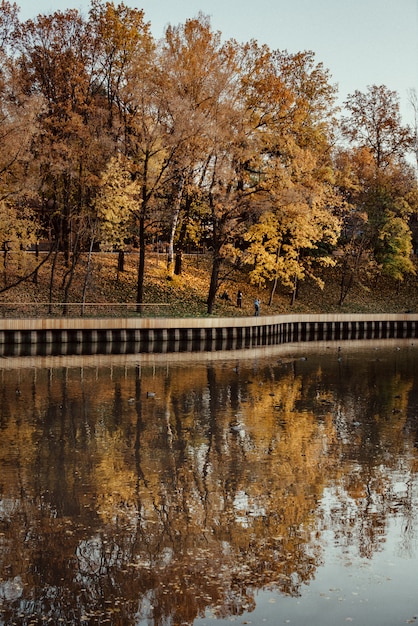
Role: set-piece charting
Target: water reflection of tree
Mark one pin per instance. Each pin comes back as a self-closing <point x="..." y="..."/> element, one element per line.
<point x="126" y="504"/>
<point x="371" y="415"/>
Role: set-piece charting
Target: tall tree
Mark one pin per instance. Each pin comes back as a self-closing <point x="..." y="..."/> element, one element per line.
<point x="18" y="182"/>
<point x="57" y="61"/>
<point x="126" y="57"/>
<point x="191" y="91"/>
<point x="382" y="184"/>
<point x="374" y="122"/>
<point x="147" y="146"/>
<point x="235" y="175"/>
<point x="18" y="114"/>
<point x="297" y="228"/>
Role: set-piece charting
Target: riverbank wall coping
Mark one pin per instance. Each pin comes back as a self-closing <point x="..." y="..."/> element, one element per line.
<point x="67" y="323"/>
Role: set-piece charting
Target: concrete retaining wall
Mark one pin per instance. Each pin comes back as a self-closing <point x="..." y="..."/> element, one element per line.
<point x="49" y="336"/>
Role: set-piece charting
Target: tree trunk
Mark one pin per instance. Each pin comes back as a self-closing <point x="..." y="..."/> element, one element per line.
<point x="66" y="220"/>
<point x="75" y="257"/>
<point x="345" y="285"/>
<point x="273" y="291"/>
<point x="52" y="277"/>
<point x="141" y="266"/>
<point x="35" y="274"/>
<point x="178" y="266"/>
<point x="121" y="261"/>
<point x="74" y="260"/>
<point x="86" y="279"/>
<point x="214" y="282"/>
<point x="174" y="222"/>
<point x="5" y="253"/>
<point x="178" y="263"/>
<point x="294" y="291"/>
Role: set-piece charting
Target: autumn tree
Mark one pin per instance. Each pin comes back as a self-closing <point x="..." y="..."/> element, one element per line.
<point x="192" y="73"/>
<point x="18" y="114"/>
<point x="374" y="122"/>
<point x="297" y="229"/>
<point x="18" y="232"/>
<point x="288" y="244"/>
<point x="147" y="147"/>
<point x="378" y="183"/>
<point x="18" y="129"/>
<point x="125" y="47"/>
<point x="53" y="63"/>
<point x="114" y="206"/>
<point x="237" y="171"/>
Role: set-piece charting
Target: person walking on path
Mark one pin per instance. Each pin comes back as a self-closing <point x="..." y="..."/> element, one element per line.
<point x="239" y="299"/>
<point x="256" y="307"/>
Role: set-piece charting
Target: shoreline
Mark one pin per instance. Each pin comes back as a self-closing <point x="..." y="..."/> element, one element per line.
<point x="65" y="336"/>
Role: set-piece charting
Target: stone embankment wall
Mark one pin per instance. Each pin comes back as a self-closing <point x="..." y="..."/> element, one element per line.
<point x="54" y="336"/>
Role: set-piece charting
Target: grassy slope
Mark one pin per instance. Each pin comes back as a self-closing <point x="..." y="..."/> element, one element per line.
<point x="186" y="295"/>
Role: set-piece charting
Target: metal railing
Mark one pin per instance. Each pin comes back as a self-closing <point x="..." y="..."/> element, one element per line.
<point x="83" y="309"/>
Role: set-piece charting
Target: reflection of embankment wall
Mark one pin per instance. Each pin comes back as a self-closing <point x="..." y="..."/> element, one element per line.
<point x="148" y="335"/>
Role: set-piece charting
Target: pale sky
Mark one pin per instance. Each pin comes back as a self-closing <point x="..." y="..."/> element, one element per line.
<point x="361" y="42"/>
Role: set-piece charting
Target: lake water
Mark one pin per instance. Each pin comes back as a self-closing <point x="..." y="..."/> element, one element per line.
<point x="266" y="486"/>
